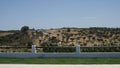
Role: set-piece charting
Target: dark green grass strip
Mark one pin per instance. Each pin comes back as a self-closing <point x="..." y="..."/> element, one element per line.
<point x="60" y="61"/>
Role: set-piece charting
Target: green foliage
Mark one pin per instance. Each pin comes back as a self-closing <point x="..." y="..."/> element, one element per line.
<point x="59" y="49"/>
<point x="68" y="29"/>
<point x="24" y="29"/>
<point x="29" y="44"/>
<point x="47" y="44"/>
<point x="53" y="40"/>
<point x="100" y="49"/>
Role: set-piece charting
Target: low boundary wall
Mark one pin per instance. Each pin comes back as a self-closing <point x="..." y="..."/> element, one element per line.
<point x="76" y="54"/>
<point x="62" y="55"/>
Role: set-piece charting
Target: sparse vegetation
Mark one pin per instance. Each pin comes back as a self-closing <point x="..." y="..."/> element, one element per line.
<point x="93" y="36"/>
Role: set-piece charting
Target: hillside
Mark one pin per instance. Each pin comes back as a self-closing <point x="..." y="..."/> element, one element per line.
<point x="5" y="33"/>
<point x="84" y="36"/>
<point x="93" y="36"/>
<point x="13" y="38"/>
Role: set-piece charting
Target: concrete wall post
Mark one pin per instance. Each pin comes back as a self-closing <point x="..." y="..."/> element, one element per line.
<point x="34" y="49"/>
<point x="77" y="48"/>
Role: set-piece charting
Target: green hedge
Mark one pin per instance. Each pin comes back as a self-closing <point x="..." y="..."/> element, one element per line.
<point x="88" y="49"/>
<point x="59" y="49"/>
<point x="101" y="49"/>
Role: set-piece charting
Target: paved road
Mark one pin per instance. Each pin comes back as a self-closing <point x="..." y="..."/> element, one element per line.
<point x="56" y="66"/>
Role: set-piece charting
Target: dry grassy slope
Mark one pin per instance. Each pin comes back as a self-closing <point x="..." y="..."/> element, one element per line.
<point x="5" y="33"/>
<point x="66" y="36"/>
<point x="84" y="36"/>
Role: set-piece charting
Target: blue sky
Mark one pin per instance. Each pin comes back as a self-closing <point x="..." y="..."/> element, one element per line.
<point x="59" y="13"/>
